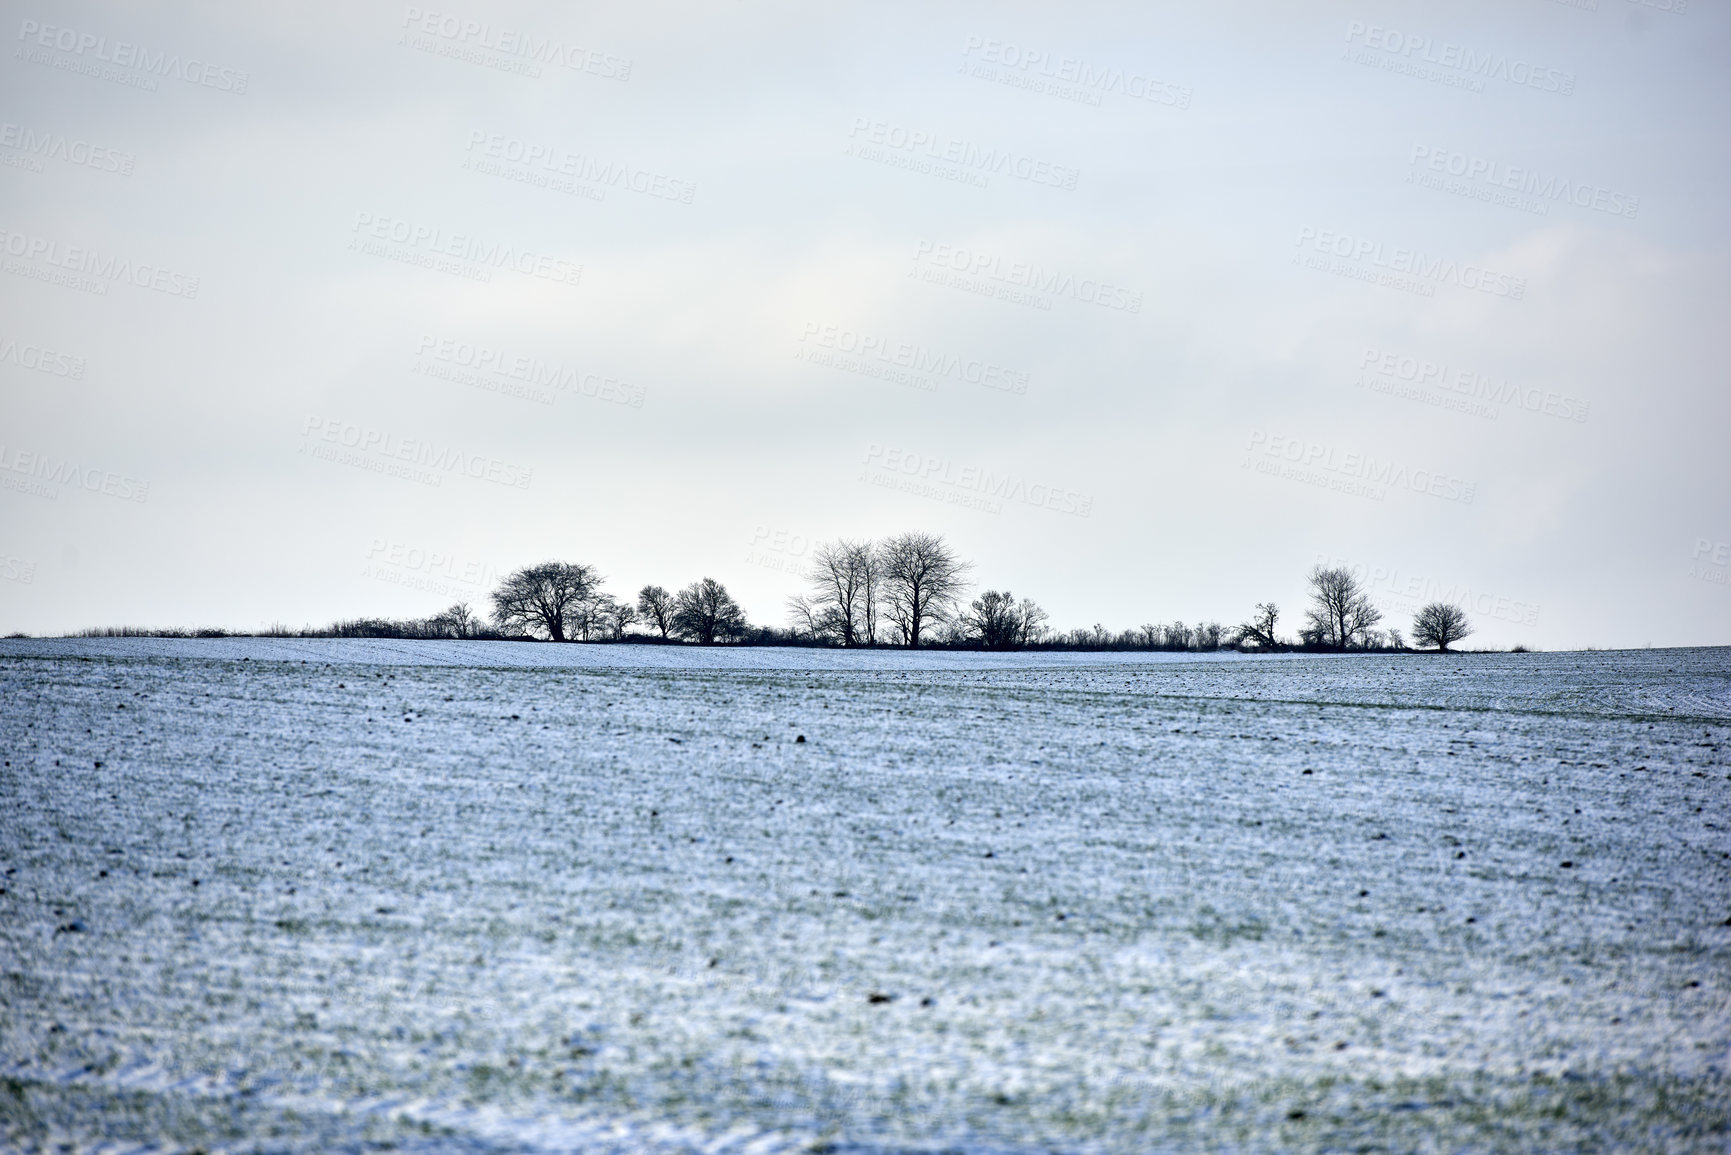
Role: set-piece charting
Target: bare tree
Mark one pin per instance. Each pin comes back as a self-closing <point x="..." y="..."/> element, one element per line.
<point x="1207" y="635"/>
<point x="1340" y="614"/>
<point x="844" y="590"/>
<point x="656" y="606"/>
<point x="922" y="578"/>
<point x="551" y="598"/>
<point x="582" y="623"/>
<point x="1439" y="624"/>
<point x="456" y="622"/>
<point x="1030" y="623"/>
<point x="1260" y="627"/>
<point x="1096" y="638"/>
<point x="612" y="616"/>
<point x="1177" y="636"/>
<point x="993" y="620"/>
<point x="1362" y="618"/>
<point x="872" y="593"/>
<point x="806" y="617"/>
<point x="704" y="611"/>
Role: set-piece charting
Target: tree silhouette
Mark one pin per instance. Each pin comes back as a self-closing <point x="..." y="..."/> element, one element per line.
<point x="656" y="606"/>
<point x="1340" y="614"/>
<point x="1260" y="627"/>
<point x="993" y="620"/>
<point x="843" y="602"/>
<point x="922" y="579"/>
<point x="551" y="598"/>
<point x="1439" y="624"/>
<point x="704" y="611"/>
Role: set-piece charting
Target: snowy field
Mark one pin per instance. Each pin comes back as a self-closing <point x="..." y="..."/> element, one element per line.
<point x="308" y="895"/>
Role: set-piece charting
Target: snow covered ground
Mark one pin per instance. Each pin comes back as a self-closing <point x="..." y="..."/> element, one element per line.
<point x="314" y="895"/>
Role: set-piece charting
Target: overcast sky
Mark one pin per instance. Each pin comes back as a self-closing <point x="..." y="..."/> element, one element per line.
<point x="320" y="311"/>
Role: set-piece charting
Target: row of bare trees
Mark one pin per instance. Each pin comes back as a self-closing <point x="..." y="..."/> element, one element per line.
<point x="1152" y="636"/>
<point x="564" y="601"/>
<point x="1341" y="617"/>
<point x="702" y="612"/>
<point x="864" y="593"/>
<point x="907" y="590"/>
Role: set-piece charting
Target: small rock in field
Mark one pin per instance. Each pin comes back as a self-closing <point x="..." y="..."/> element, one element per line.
<point x="878" y="997"/>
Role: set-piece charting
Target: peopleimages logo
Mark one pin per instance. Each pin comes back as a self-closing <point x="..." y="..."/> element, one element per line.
<point x="779" y="550"/>
<point x="1020" y="278"/>
<point x="87" y="269"/>
<point x="58" y="146"/>
<point x="1068" y="77"/>
<point x="967" y="484"/>
<point x="17" y="569"/>
<point x="885" y="142"/>
<point x="88" y="47"/>
<point x="1413" y="590"/>
<point x="498" y="370"/>
<point x="41" y="359"/>
<point x="459" y="37"/>
<point x="1421" y="56"/>
<point x="426" y="244"/>
<point x="553" y="161"/>
<point x="820" y="344"/>
<point x="1711" y="561"/>
<point x="403" y="564"/>
<point x="38" y="473"/>
<point x="1360" y="474"/>
<point x="1518" y="187"/>
<point x="1467" y="383"/>
<point x="412" y="458"/>
<point x="1403" y="268"/>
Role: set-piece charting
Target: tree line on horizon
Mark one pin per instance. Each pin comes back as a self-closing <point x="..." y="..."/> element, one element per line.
<point x="905" y="591"/>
